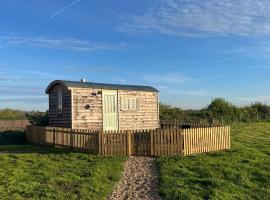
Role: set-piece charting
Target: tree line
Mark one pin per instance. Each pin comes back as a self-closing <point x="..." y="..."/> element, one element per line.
<point x="219" y="110"/>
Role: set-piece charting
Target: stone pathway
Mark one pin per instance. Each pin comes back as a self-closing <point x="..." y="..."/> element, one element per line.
<point x="139" y="180"/>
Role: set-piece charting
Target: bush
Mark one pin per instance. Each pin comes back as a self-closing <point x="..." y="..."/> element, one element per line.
<point x="38" y="118"/>
<point x="12" y="114"/>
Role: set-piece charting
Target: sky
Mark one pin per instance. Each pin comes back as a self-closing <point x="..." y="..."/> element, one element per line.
<point x="190" y="50"/>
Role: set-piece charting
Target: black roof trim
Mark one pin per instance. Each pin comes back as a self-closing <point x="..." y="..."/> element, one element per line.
<point x="100" y="86"/>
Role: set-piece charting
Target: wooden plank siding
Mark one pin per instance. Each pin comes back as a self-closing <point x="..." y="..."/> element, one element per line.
<point x="60" y="119"/>
<point x="159" y="142"/>
<point x="83" y="118"/>
<point x="145" y="117"/>
<point x="76" y="116"/>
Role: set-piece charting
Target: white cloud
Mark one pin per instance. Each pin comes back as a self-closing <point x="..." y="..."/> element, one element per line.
<point x="91" y="69"/>
<point x="192" y="92"/>
<point x="62" y="43"/>
<point x="198" y="18"/>
<point x="27" y="76"/>
<point x="254" y="99"/>
<point x="121" y="80"/>
<point x="168" y="78"/>
<point x="20" y="90"/>
<point x="170" y="90"/>
<point x="26" y="103"/>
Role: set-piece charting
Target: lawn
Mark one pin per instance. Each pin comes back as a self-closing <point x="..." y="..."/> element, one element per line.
<point x="32" y="172"/>
<point x="240" y="173"/>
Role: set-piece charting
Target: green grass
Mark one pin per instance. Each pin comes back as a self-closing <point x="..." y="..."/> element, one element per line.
<point x="33" y="172"/>
<point x="240" y="173"/>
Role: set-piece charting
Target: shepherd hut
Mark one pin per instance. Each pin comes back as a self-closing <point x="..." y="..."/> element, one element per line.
<point x="100" y="106"/>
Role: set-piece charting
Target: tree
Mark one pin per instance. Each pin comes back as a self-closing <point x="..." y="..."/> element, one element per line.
<point x="260" y="109"/>
<point x="220" y="107"/>
<point x="38" y="118"/>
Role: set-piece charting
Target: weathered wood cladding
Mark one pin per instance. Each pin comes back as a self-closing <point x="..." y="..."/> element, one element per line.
<point x="75" y="114"/>
<point x="86" y="118"/>
<point x="56" y="118"/>
<point x="145" y="117"/>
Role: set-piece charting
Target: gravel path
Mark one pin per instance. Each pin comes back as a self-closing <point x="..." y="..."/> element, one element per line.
<point x="139" y="180"/>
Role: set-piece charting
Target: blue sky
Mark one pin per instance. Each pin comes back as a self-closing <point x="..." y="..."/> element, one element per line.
<point x="191" y="50"/>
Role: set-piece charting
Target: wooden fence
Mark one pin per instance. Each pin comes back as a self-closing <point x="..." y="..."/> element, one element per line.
<point x="12" y="125"/>
<point x="200" y="140"/>
<point x="188" y="124"/>
<point x="159" y="142"/>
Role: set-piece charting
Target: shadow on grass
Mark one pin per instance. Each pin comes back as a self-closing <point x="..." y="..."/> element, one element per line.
<point x="12" y="137"/>
<point x="15" y="142"/>
<point x="33" y="148"/>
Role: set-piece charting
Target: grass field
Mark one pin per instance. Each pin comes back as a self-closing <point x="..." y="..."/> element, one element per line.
<point x="240" y="173"/>
<point x="32" y="172"/>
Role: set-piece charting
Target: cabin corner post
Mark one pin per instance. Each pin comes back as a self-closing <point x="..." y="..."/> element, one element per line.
<point x="71" y="109"/>
<point x="158" y="110"/>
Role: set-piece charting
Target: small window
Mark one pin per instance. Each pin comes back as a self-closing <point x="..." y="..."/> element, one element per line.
<point x="59" y="100"/>
<point x="129" y="104"/>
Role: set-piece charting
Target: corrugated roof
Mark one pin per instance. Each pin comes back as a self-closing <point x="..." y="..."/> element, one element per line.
<point x="79" y="84"/>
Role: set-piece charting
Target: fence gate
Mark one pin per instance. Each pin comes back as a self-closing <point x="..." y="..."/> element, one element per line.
<point x="141" y="143"/>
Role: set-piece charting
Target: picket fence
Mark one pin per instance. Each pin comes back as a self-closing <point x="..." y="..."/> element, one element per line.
<point x="13" y="125"/>
<point x="159" y="142"/>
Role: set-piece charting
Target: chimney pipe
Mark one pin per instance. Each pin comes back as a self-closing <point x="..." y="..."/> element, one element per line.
<point x="83" y="80"/>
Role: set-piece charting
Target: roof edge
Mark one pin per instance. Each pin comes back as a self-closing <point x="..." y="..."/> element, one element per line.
<point x="52" y="84"/>
<point x="75" y="84"/>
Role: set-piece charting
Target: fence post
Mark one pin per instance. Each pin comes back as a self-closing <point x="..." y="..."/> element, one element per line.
<point x="100" y="133"/>
<point x="128" y="143"/>
<point x="152" y="142"/>
<point x="182" y="144"/>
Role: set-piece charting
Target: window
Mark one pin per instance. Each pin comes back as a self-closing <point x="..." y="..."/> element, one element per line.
<point x="59" y="100"/>
<point x="129" y="104"/>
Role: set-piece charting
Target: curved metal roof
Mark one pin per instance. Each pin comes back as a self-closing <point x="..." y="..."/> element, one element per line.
<point x="78" y="84"/>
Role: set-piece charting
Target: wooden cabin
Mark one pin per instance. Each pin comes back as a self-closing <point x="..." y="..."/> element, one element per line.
<point x="99" y="106"/>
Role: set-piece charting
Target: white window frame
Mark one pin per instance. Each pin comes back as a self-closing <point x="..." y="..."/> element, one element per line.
<point x="59" y="100"/>
<point x="129" y="103"/>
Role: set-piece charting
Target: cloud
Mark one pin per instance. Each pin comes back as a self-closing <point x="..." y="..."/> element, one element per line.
<point x="191" y="92"/>
<point x="12" y="78"/>
<point x="56" y="13"/>
<point x="254" y="99"/>
<point x="27" y="76"/>
<point x="62" y="43"/>
<point x="91" y="69"/>
<point x="20" y="90"/>
<point x="169" y="78"/>
<point x="26" y="103"/>
<point x="121" y="80"/>
<point x="170" y="90"/>
<point x="200" y="18"/>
